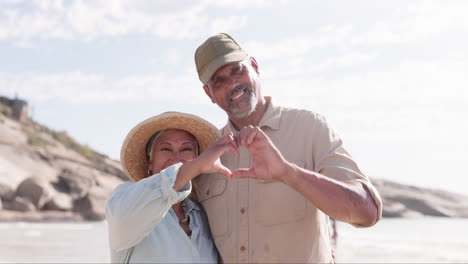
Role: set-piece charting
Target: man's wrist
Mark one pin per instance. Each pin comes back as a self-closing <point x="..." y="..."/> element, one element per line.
<point x="290" y="175"/>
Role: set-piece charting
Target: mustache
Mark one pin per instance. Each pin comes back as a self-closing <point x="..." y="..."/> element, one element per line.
<point x="237" y="89"/>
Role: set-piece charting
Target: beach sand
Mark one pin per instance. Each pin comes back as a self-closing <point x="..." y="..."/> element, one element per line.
<point x="435" y="240"/>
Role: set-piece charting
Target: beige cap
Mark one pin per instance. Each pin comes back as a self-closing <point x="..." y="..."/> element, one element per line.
<point x="133" y="153"/>
<point x="216" y="52"/>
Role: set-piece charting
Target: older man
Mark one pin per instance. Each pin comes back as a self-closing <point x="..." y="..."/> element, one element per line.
<point x="290" y="176"/>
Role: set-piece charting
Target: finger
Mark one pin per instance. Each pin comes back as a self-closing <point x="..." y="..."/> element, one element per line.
<point x="233" y="150"/>
<point x="223" y="170"/>
<point x="233" y="141"/>
<point x="252" y="135"/>
<point x="243" y="135"/>
<point x="243" y="173"/>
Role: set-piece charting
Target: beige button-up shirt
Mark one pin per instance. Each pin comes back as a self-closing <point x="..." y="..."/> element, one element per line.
<point x="259" y="221"/>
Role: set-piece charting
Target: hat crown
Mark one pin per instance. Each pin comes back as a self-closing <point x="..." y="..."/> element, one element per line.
<point x="216" y="52"/>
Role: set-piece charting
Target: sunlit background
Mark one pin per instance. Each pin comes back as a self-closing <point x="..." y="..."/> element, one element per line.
<point x="391" y="76"/>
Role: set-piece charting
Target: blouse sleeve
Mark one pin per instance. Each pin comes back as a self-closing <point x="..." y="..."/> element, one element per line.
<point x="134" y="209"/>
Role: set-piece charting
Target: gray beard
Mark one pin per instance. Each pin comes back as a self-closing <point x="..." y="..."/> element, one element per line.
<point x="251" y="99"/>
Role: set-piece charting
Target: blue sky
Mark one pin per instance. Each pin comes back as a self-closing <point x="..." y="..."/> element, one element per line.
<point x="389" y="75"/>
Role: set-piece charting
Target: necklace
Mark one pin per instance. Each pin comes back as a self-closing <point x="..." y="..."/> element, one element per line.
<point x="184" y="208"/>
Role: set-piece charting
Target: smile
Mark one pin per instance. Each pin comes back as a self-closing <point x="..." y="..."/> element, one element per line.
<point x="238" y="95"/>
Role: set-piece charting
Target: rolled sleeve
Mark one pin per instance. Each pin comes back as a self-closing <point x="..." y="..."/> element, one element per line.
<point x="375" y="196"/>
<point x="334" y="161"/>
<point x="134" y="209"/>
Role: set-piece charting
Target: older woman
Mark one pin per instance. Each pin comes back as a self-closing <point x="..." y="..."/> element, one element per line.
<point x="151" y="219"/>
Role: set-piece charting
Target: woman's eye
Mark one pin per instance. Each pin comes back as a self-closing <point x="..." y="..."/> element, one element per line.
<point x="165" y="149"/>
<point x="187" y="149"/>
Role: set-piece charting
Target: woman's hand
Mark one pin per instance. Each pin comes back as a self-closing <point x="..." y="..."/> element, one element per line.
<point x="209" y="162"/>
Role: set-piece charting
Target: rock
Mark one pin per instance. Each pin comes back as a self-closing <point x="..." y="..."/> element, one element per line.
<point x="395" y="209"/>
<point x="60" y="202"/>
<point x="6" y="192"/>
<point x="36" y="190"/>
<point x="22" y="205"/>
<point x="74" y="183"/>
<point x="401" y="200"/>
<point x="92" y="206"/>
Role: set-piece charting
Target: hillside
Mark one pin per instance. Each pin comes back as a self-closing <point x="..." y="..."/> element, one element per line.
<point x="46" y="175"/>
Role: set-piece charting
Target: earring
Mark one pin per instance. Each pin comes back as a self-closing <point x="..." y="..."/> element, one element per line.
<point x="149" y="172"/>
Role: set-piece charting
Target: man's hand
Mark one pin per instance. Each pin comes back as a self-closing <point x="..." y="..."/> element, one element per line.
<point x="268" y="162"/>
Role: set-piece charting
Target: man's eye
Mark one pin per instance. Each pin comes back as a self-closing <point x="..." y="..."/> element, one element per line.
<point x="237" y="69"/>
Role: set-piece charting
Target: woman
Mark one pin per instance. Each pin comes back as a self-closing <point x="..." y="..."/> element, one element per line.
<point x="151" y="219"/>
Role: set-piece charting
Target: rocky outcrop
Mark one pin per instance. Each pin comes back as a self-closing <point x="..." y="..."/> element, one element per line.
<point x="21" y="204"/>
<point x="37" y="190"/>
<point x="401" y="200"/>
<point x="45" y="175"/>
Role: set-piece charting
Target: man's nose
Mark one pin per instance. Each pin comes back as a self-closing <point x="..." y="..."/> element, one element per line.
<point x="230" y="82"/>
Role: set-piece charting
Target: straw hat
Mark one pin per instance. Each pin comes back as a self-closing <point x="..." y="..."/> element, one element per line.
<point x="133" y="152"/>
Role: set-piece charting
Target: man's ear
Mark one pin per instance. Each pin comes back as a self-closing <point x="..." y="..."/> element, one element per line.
<point x="254" y="64"/>
<point x="208" y="92"/>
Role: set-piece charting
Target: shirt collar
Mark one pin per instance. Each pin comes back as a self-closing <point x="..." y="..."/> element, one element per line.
<point x="271" y="117"/>
<point x="191" y="205"/>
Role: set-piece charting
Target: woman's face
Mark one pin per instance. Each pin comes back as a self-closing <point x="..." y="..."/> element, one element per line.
<point x="172" y="147"/>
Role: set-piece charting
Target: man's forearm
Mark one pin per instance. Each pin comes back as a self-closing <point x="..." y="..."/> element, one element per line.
<point x="347" y="201"/>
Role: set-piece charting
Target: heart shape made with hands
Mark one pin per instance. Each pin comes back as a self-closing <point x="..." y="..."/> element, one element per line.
<point x="268" y="162"/>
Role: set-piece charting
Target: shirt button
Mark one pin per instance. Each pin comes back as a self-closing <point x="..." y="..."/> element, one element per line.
<point x="242" y="210"/>
<point x="242" y="248"/>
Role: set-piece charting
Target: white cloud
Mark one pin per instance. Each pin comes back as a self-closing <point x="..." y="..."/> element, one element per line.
<point x="325" y="37"/>
<point x="88" y="20"/>
<point x="241" y="4"/>
<point x="82" y="88"/>
<point x="420" y="21"/>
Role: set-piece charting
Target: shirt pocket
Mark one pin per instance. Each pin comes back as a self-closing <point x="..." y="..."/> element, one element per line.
<point x="278" y="203"/>
<point x="211" y="193"/>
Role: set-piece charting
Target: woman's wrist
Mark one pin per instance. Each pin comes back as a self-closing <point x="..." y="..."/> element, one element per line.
<point x="188" y="171"/>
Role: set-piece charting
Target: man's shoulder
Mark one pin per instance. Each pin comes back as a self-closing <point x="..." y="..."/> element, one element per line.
<point x="300" y="115"/>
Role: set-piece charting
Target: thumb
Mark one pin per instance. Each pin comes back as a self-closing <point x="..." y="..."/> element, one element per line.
<point x="244" y="173"/>
<point x="223" y="170"/>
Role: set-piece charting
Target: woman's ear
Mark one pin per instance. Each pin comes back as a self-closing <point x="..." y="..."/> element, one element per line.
<point x="150" y="167"/>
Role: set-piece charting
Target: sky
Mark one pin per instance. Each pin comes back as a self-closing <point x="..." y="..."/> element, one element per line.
<point x="390" y="76"/>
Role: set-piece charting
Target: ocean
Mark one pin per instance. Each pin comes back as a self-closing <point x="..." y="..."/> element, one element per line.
<point x="423" y="240"/>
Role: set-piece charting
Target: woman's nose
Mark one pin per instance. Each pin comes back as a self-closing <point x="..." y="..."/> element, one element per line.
<point x="177" y="157"/>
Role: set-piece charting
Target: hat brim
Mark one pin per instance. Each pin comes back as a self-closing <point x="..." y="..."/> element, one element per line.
<point x="133" y="151"/>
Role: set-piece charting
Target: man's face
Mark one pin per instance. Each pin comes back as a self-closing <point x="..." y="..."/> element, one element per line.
<point x="234" y="88"/>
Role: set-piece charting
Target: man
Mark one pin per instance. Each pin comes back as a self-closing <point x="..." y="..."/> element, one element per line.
<point x="290" y="175"/>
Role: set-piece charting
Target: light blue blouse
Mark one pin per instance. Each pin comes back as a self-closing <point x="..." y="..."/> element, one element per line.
<point x="144" y="228"/>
